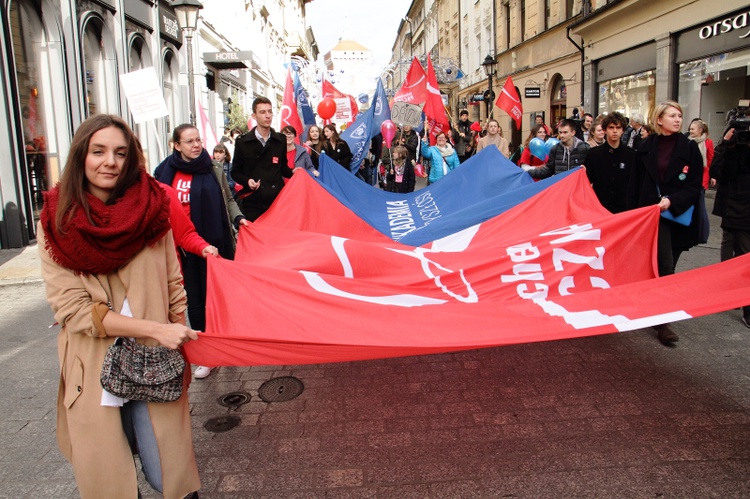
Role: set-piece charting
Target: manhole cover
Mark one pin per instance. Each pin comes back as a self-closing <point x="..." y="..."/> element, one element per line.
<point x="234" y="399"/>
<point x="280" y="389"/>
<point x="222" y="424"/>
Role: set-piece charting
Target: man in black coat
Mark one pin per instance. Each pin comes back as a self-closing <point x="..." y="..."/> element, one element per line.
<point x="731" y="168"/>
<point x="259" y="164"/>
<point x="608" y="166"/>
<point x="463" y="137"/>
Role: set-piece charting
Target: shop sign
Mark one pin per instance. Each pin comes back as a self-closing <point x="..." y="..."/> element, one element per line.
<point x="478" y="97"/>
<point x="168" y="26"/>
<point x="737" y="22"/>
<point x="532" y="92"/>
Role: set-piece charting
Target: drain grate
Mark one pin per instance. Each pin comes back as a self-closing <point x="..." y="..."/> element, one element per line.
<point x="234" y="399"/>
<point x="280" y="389"/>
<point x="222" y="424"/>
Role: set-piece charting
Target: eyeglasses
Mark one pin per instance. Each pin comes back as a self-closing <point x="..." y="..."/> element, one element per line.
<point x="190" y="142"/>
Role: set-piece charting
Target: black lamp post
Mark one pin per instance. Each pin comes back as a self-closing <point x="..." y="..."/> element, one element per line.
<point x="187" y="17"/>
<point x="489" y="69"/>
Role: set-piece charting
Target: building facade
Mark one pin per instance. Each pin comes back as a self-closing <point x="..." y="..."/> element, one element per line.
<point x="63" y="62"/>
<point x="699" y="57"/>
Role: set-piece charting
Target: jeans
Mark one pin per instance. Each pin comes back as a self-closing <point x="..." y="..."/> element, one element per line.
<point x="136" y="423"/>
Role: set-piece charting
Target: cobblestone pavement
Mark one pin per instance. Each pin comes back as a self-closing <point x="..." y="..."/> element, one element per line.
<point x="608" y="416"/>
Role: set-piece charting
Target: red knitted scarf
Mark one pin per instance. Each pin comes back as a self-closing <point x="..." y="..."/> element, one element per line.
<point x="120" y="230"/>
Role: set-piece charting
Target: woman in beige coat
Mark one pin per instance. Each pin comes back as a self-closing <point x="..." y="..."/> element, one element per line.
<point x="110" y="270"/>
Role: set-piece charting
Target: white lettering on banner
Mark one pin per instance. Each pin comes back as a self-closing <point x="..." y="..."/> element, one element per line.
<point x="526" y="252"/>
<point x="428" y="209"/>
<point x="400" y="218"/>
<point x="401" y="300"/>
<point x="725" y="26"/>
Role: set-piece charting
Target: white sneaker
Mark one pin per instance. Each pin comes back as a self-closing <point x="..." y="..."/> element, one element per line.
<point x="202" y="372"/>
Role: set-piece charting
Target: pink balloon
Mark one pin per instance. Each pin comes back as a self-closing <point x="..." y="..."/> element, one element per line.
<point x="388" y="129"/>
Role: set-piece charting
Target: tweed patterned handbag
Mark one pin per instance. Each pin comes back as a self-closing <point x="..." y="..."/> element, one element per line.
<point x="135" y="371"/>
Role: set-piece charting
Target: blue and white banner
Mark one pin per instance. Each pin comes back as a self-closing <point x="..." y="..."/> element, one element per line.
<point x="483" y="187"/>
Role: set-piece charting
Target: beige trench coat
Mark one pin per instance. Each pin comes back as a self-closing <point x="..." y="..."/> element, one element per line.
<point x="90" y="436"/>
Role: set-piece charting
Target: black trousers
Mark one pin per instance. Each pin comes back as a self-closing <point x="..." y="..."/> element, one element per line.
<point x="666" y="254"/>
<point x="194" y="271"/>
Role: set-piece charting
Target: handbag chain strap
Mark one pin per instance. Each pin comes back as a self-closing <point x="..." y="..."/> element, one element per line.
<point x="109" y="302"/>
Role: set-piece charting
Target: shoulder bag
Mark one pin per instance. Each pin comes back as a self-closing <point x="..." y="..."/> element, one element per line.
<point x="134" y="371"/>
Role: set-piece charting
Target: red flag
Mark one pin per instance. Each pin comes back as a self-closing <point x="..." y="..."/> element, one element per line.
<point x="414" y="88"/>
<point x="434" y="108"/>
<point x="330" y="91"/>
<point x="529" y="274"/>
<point x="510" y="102"/>
<point x="289" y="114"/>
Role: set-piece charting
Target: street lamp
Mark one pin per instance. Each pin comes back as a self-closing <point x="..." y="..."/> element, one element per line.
<point x="187" y="17"/>
<point x="489" y="69"/>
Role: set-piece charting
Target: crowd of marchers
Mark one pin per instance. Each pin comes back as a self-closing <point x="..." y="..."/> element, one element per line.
<point x="124" y="254"/>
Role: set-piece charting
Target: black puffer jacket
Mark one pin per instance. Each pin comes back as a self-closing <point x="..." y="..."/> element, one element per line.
<point x="561" y="159"/>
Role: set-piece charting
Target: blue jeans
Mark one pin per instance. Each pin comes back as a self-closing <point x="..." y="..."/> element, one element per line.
<point x="136" y="423"/>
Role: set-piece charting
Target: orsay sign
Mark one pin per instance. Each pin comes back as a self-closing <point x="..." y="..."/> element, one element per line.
<point x="738" y="22"/>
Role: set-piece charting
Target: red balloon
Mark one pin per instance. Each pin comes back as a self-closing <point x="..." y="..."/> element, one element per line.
<point x="327" y="108"/>
<point x="388" y="129"/>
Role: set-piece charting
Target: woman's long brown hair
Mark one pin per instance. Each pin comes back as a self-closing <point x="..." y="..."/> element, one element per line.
<point x="73" y="183"/>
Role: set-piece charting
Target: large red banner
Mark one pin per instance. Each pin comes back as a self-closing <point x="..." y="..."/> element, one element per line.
<point x="547" y="269"/>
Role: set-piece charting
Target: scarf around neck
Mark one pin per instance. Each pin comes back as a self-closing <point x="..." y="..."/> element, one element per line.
<point x="446" y="151"/>
<point x="207" y="209"/>
<point x="701" y="141"/>
<point x="119" y="231"/>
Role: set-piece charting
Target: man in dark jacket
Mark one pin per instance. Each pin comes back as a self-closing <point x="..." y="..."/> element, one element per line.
<point x="608" y="166"/>
<point x="259" y="163"/>
<point x="462" y="136"/>
<point x="569" y="153"/>
<point x="731" y="168"/>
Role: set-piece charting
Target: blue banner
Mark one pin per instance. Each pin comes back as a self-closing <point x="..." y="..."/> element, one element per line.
<point x="483" y="187"/>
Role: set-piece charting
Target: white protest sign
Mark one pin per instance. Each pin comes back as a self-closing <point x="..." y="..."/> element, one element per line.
<point x="144" y="95"/>
<point x="343" y="109"/>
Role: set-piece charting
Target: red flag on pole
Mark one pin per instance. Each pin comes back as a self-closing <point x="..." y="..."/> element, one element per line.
<point x="434" y="108"/>
<point x="510" y="102"/>
<point x="414" y="88"/>
<point x="289" y="114"/>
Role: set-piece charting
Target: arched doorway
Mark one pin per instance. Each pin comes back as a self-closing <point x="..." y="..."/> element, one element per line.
<point x="170" y="72"/>
<point x="139" y="57"/>
<point x="99" y="66"/>
<point x="558" y="100"/>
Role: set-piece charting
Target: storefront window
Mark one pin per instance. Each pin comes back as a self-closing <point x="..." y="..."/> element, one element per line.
<point x="30" y="50"/>
<point x="629" y="95"/>
<point x="711" y="86"/>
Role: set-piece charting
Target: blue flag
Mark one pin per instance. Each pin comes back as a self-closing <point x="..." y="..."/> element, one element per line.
<point x="360" y="133"/>
<point x="358" y="136"/>
<point x="303" y="105"/>
<point x="382" y="110"/>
